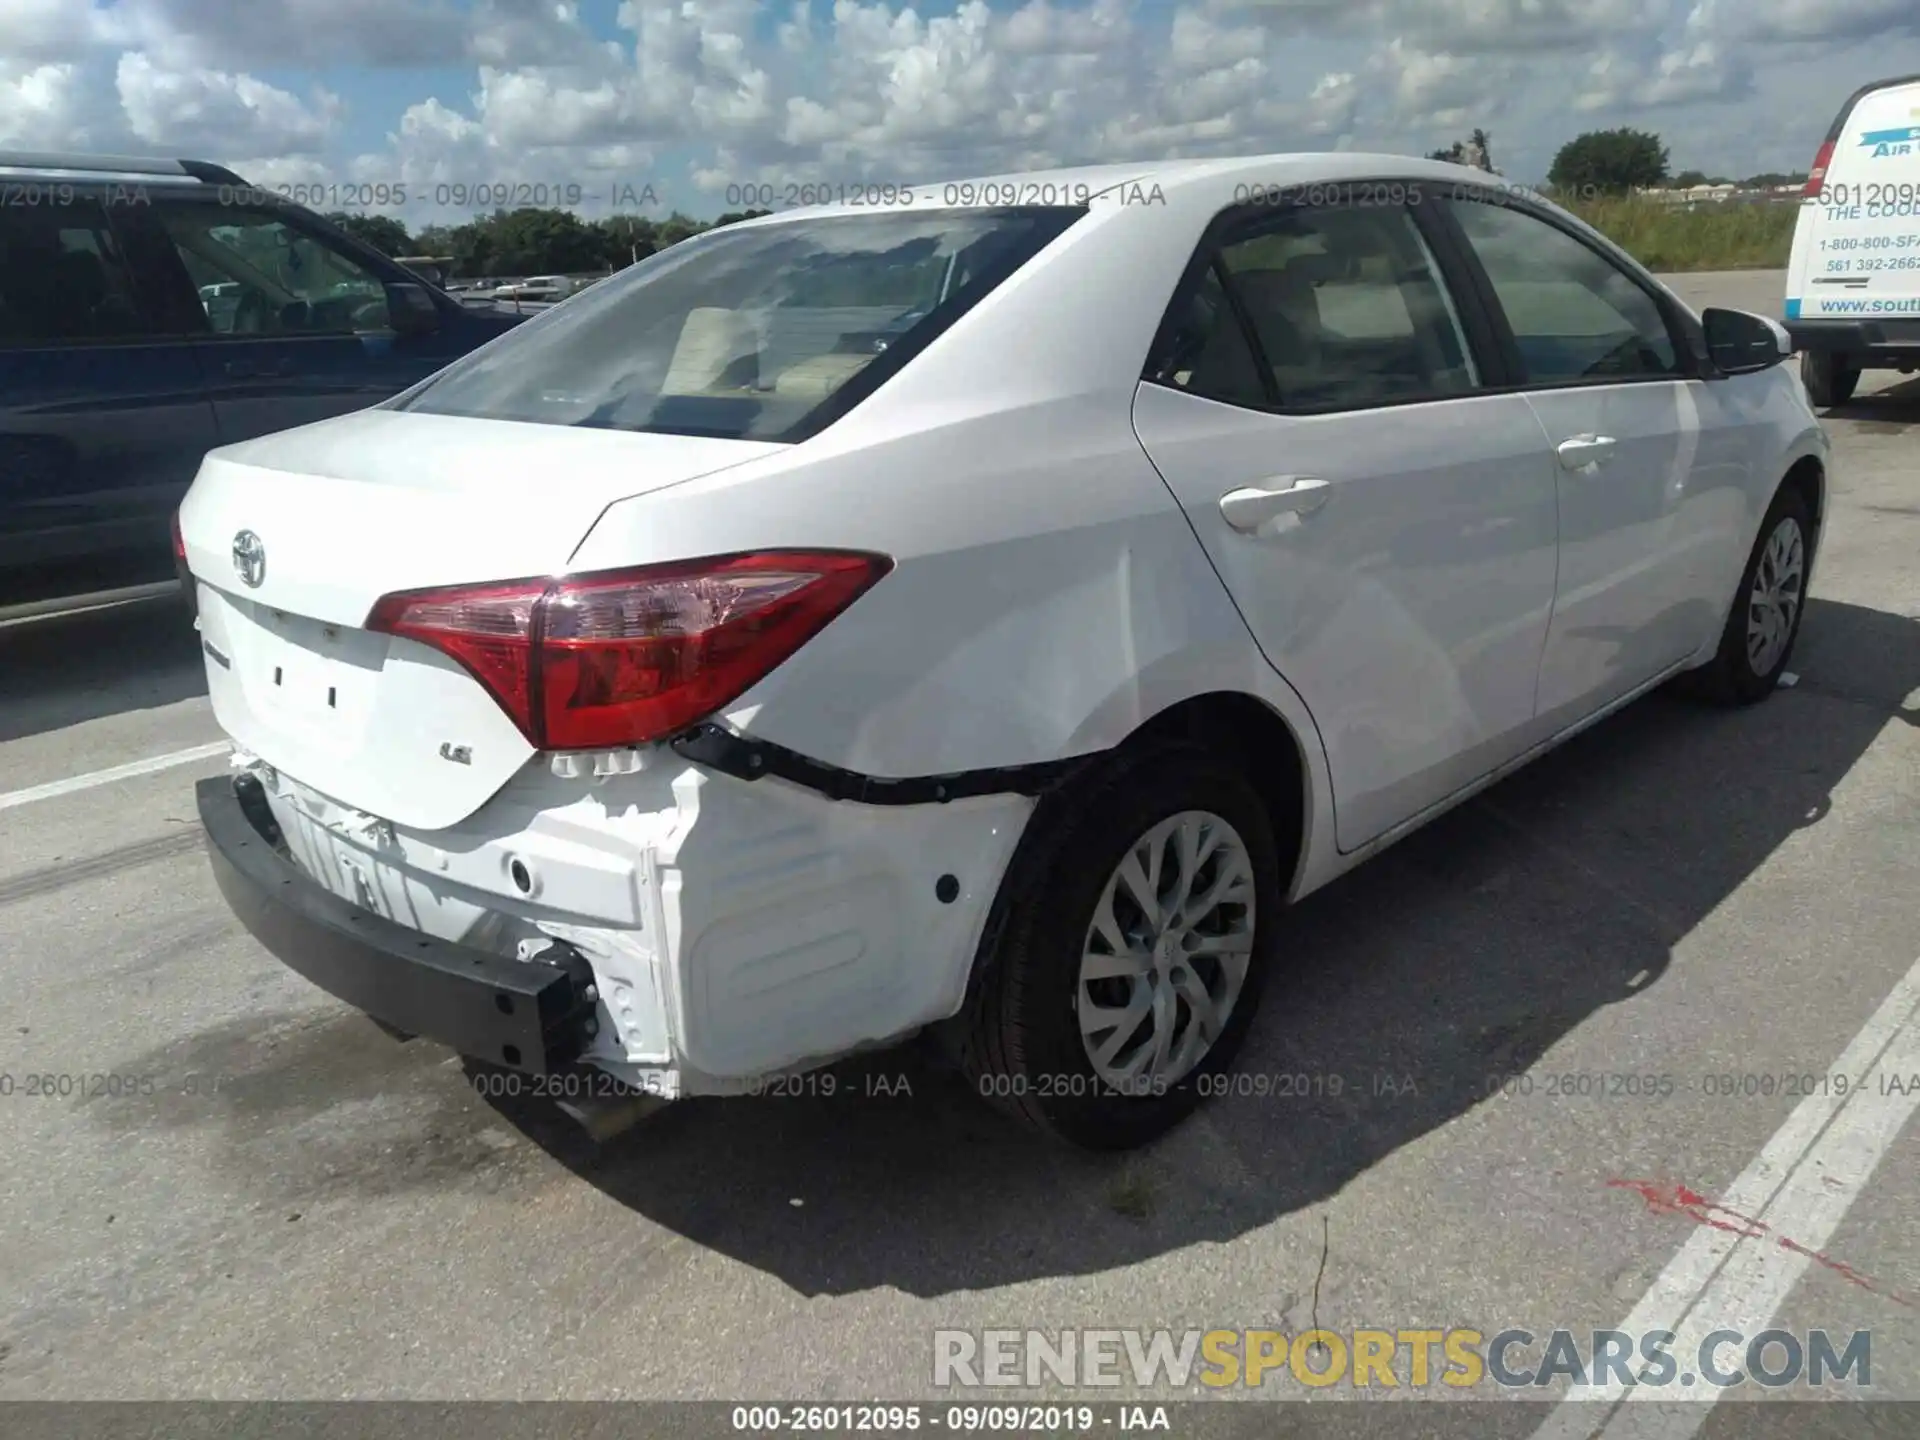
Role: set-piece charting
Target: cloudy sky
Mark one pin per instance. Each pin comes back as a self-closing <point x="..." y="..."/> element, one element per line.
<point x="691" y="96"/>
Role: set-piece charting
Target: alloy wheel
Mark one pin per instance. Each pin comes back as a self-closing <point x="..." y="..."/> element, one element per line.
<point x="1167" y="952"/>
<point x="1774" y="602"/>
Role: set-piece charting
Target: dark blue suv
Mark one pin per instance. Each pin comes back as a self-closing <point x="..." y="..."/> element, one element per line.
<point x="153" y="309"/>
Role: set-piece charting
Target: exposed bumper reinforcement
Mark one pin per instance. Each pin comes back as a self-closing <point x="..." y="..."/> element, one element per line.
<point x="531" y="1016"/>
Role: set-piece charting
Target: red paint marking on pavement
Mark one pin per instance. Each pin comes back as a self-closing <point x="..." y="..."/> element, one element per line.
<point x="1678" y="1199"/>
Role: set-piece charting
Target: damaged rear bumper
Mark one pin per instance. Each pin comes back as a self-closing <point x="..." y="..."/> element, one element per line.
<point x="731" y="930"/>
<point x="532" y="1016"/>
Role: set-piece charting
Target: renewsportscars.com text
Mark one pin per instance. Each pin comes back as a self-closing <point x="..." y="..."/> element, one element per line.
<point x="1459" y="1358"/>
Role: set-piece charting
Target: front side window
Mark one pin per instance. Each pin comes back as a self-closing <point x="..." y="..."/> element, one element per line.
<point x="1575" y="315"/>
<point x="62" y="276"/>
<point x="258" y="275"/>
<point x="752" y="333"/>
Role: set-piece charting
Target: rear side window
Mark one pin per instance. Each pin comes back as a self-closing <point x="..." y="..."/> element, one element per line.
<point x="1348" y="309"/>
<point x="760" y="333"/>
<point x="1203" y="349"/>
<point x="1318" y="309"/>
<point x="1575" y="315"/>
<point x="63" y="277"/>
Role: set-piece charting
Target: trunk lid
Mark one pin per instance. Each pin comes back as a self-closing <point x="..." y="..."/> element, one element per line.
<point x="354" y="508"/>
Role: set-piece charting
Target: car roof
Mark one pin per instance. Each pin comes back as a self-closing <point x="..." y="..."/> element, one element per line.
<point x="1195" y="182"/>
<point x="81" y="166"/>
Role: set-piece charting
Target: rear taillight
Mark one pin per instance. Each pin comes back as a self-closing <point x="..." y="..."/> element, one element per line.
<point x="1817" y="176"/>
<point x="584" y="662"/>
<point x="179" y="540"/>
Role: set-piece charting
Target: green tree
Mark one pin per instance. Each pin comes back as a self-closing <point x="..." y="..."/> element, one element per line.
<point x="677" y="227"/>
<point x="383" y="232"/>
<point x="625" y="239"/>
<point x="471" y="246"/>
<point x="1609" y="162"/>
<point x="531" y="241"/>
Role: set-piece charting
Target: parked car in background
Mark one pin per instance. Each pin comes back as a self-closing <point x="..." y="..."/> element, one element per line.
<point x="434" y="269"/>
<point x="985" y="618"/>
<point x="1853" y="282"/>
<point x="151" y="310"/>
<point x="537" y="287"/>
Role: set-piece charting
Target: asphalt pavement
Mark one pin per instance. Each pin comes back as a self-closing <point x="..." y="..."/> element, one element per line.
<point x="269" y="1198"/>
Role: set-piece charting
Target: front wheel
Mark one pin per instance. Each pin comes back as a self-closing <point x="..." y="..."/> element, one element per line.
<point x="1764" y="620"/>
<point x="1132" y="952"/>
<point x="1830" y="377"/>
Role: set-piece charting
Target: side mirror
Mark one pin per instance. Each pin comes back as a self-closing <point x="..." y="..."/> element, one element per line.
<point x="410" y="309"/>
<point x="1742" y="343"/>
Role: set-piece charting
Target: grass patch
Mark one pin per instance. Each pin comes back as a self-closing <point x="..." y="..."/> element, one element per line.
<point x="1714" y="237"/>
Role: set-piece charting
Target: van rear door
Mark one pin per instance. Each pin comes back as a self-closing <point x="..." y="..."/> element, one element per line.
<point x="1856" y="251"/>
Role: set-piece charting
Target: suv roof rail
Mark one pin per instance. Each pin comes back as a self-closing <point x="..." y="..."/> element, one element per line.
<point x="84" y="164"/>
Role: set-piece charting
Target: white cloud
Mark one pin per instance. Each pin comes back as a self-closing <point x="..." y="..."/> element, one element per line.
<point x="1806" y="20"/>
<point x="196" y="110"/>
<point x="39" y="100"/>
<point x="835" y="90"/>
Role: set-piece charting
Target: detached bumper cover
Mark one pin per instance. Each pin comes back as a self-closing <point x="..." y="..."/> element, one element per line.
<point x="526" y="1015"/>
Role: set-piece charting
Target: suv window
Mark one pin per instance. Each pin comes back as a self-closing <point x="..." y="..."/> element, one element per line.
<point x="757" y="332"/>
<point x="62" y="276"/>
<point x="258" y="275"/>
<point x="1575" y="315"/>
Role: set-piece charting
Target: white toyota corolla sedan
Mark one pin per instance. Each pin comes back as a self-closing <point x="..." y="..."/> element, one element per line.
<point x="985" y="608"/>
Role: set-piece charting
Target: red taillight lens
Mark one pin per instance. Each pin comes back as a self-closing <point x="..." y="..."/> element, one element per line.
<point x="179" y="540"/>
<point x="623" y="658"/>
<point x="1817" y="176"/>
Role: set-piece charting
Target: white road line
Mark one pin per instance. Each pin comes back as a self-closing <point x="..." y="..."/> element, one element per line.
<point x="107" y="777"/>
<point x="1798" y="1187"/>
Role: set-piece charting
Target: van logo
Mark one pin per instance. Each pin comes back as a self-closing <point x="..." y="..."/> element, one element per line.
<point x="459" y="754"/>
<point x="1898" y="141"/>
<point x="249" y="558"/>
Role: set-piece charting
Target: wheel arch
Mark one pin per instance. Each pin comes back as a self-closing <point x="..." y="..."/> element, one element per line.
<point x="1283" y="761"/>
<point x="1808" y="475"/>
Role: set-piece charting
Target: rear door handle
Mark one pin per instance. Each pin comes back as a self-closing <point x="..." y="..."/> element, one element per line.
<point x="1250" y="507"/>
<point x="1585" y="452"/>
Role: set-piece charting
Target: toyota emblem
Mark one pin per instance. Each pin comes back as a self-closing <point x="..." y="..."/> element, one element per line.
<point x="249" y="558"/>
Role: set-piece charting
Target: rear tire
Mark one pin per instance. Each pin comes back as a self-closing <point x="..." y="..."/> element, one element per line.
<point x="1764" y="620"/>
<point x="1080" y="969"/>
<point x="1830" y="377"/>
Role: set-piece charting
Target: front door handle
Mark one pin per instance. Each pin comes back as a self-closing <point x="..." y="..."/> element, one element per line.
<point x="1250" y="507"/>
<point x="1585" y="452"/>
<point x="239" y="369"/>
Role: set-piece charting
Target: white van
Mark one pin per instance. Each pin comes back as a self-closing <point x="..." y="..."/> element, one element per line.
<point x="1853" y="284"/>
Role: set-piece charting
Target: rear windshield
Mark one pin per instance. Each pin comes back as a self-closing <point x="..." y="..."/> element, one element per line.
<point x="765" y="332"/>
